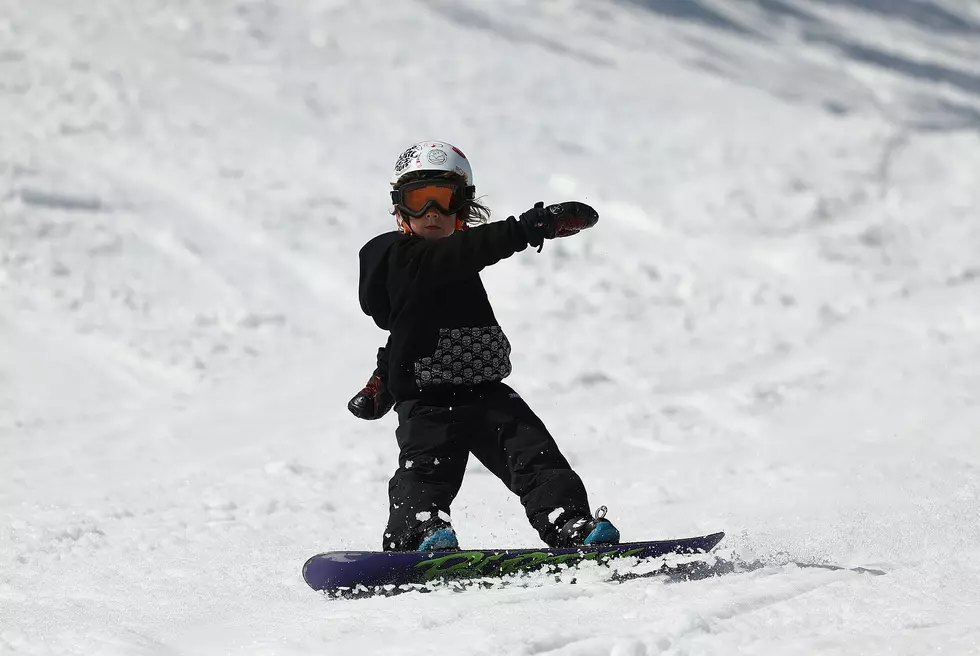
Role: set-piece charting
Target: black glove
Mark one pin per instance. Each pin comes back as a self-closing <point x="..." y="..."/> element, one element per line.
<point x="372" y="402"/>
<point x="558" y="220"/>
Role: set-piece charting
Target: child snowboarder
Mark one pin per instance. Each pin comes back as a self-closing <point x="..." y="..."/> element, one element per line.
<point x="446" y="357"/>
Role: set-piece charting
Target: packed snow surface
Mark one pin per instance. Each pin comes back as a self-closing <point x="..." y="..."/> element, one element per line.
<point x="774" y="330"/>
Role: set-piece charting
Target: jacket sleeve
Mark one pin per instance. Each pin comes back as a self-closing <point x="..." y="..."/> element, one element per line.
<point x="373" y="279"/>
<point x="465" y="253"/>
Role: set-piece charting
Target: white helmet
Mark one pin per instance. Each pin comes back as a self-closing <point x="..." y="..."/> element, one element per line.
<point x="432" y="156"/>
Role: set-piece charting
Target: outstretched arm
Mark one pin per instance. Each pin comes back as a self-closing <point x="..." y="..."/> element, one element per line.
<point x="468" y="252"/>
<point x="462" y="254"/>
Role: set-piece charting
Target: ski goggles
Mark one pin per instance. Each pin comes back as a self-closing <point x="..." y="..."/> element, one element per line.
<point x="417" y="198"/>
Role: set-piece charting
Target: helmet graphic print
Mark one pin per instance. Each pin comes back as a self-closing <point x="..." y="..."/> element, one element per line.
<point x="435" y="156"/>
<point x="427" y="174"/>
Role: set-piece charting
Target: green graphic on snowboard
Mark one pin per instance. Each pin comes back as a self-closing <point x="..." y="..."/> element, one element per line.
<point x="481" y="563"/>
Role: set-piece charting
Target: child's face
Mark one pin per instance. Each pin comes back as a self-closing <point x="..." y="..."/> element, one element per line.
<point x="433" y="224"/>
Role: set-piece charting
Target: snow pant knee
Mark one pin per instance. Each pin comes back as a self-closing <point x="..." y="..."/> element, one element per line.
<point x="524" y="455"/>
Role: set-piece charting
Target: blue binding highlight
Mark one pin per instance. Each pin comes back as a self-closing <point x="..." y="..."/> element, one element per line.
<point x="442" y="539"/>
<point x="603" y="533"/>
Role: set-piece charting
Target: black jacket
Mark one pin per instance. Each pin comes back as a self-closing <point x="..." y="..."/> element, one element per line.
<point x="428" y="294"/>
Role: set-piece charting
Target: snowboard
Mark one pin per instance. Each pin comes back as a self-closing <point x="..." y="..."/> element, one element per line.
<point x="335" y="571"/>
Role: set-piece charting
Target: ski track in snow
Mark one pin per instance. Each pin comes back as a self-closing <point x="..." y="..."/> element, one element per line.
<point x="772" y="331"/>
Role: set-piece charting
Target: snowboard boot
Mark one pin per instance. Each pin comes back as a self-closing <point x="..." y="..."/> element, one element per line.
<point x="439" y="537"/>
<point x="582" y="531"/>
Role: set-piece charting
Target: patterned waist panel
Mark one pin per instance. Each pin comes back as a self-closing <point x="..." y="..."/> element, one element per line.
<point x="465" y="356"/>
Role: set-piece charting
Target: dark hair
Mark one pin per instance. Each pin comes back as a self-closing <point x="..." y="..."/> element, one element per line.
<point x="473" y="213"/>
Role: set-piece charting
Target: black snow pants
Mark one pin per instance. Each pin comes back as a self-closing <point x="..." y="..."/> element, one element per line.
<point x="505" y="435"/>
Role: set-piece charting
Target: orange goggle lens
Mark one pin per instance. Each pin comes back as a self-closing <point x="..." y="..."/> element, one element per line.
<point x="415" y="199"/>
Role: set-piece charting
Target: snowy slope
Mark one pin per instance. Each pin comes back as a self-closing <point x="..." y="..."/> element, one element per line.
<point x="773" y="330"/>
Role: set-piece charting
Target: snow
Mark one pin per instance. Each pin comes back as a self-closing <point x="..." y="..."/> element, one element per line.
<point x="773" y="330"/>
